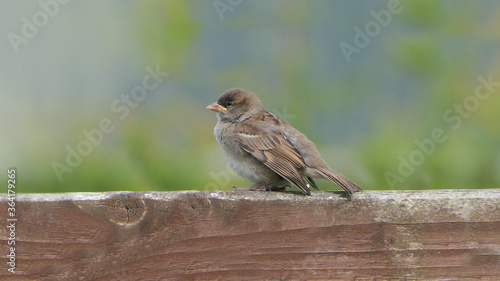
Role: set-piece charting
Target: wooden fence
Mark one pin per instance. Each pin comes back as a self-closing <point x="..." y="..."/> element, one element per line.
<point x="227" y="235"/>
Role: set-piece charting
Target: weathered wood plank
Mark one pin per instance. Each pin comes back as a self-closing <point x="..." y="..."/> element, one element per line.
<point x="224" y="235"/>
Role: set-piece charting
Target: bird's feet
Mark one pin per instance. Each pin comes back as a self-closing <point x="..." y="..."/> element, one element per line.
<point x="260" y="187"/>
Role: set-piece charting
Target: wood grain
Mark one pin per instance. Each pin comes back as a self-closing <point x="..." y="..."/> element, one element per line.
<point x="225" y="235"/>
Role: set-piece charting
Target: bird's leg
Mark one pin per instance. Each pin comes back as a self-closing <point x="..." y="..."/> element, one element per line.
<point x="257" y="187"/>
<point x="276" y="188"/>
<point x="261" y="187"/>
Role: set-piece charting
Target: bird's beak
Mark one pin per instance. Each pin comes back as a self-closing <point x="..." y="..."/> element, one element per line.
<point x="216" y="107"/>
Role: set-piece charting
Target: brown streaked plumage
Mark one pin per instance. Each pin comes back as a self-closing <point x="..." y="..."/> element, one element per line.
<point x="266" y="150"/>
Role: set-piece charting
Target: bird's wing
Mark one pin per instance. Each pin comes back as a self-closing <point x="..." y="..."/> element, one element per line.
<point x="268" y="144"/>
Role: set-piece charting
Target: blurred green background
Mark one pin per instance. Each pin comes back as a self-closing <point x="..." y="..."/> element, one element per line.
<point x="412" y="70"/>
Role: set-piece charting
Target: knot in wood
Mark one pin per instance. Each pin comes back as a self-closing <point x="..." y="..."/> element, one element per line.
<point x="127" y="210"/>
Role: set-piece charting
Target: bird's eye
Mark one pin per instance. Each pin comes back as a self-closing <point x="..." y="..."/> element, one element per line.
<point x="230" y="104"/>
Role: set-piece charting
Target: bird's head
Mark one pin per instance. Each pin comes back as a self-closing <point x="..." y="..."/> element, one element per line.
<point x="236" y="104"/>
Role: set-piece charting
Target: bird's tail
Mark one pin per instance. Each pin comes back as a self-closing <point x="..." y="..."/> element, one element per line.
<point x="339" y="179"/>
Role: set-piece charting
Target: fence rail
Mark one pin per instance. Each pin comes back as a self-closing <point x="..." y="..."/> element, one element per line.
<point x="226" y="235"/>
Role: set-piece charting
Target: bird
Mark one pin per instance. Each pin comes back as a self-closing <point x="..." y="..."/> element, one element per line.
<point x="267" y="151"/>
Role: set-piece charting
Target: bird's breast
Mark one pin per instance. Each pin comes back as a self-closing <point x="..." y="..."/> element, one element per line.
<point x="242" y="162"/>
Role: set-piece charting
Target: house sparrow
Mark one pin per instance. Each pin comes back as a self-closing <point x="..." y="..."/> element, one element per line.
<point x="266" y="150"/>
